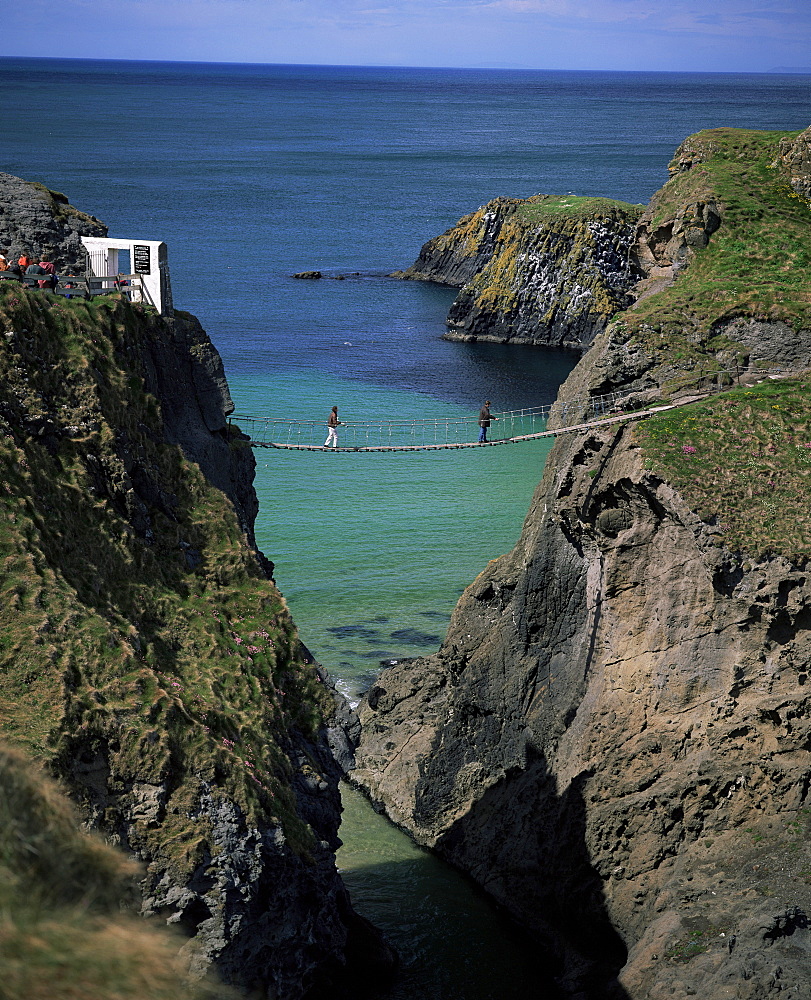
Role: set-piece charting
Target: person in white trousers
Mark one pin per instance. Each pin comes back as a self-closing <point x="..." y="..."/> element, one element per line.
<point x="333" y="423"/>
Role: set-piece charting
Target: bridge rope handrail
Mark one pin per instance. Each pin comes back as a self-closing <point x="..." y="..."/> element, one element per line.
<point x="451" y="446"/>
<point x="527" y="411"/>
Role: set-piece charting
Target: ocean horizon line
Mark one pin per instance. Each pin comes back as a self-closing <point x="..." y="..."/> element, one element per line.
<point x="388" y="67"/>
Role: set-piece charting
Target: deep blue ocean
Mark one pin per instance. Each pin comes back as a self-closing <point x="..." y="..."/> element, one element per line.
<point x="253" y="173"/>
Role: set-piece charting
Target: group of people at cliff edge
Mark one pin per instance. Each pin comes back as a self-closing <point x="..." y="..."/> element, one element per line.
<point x="30" y="271"/>
<point x="333" y="423"/>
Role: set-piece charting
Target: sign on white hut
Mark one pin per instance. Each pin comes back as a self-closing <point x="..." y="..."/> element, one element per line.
<point x="145" y="273"/>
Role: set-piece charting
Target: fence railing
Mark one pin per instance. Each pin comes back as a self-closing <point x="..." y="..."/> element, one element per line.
<point x="89" y="286"/>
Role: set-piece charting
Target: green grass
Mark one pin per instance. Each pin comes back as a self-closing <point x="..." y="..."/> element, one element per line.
<point x="541" y="207"/>
<point x="692" y="944"/>
<point x="742" y="460"/>
<point x="749" y="471"/>
<point x="756" y="265"/>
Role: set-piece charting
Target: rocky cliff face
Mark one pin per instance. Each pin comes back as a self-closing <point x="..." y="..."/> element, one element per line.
<point x="541" y="270"/>
<point x="795" y="157"/>
<point x="147" y="658"/>
<point x="184" y="371"/>
<point x="613" y="738"/>
<point x="35" y="219"/>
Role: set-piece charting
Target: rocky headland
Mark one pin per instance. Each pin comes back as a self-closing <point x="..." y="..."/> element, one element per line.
<point x="537" y="271"/>
<point x="613" y="739"/>
<point x="149" y="663"/>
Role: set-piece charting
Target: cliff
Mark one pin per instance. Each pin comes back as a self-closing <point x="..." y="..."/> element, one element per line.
<point x="35" y="219"/>
<point x="541" y="270"/>
<point x="148" y="661"/>
<point x="613" y="738"/>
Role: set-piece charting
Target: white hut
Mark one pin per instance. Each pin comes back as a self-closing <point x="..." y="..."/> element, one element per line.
<point x="145" y="272"/>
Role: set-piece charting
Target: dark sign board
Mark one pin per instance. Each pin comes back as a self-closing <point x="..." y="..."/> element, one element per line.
<point x="140" y="259"/>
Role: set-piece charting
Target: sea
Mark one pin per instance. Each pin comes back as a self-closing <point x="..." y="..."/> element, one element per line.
<point x="253" y="173"/>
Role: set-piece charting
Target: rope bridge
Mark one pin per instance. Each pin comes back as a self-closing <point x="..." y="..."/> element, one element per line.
<point x="508" y="427"/>
<point x="433" y="433"/>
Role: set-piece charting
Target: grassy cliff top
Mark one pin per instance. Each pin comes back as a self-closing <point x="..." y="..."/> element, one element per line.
<point x="742" y="460"/>
<point x="757" y="263"/>
<point x="543" y="207"/>
<point x="135" y="623"/>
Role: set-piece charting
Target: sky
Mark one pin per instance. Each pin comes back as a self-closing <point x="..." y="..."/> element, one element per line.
<point x="671" y="35"/>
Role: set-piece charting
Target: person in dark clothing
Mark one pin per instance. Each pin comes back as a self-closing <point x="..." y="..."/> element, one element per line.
<point x="33" y="273"/>
<point x="484" y="421"/>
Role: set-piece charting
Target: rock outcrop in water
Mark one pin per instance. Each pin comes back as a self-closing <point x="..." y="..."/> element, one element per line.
<point x="613" y="738"/>
<point x="148" y="661"/>
<point x="537" y="271"/>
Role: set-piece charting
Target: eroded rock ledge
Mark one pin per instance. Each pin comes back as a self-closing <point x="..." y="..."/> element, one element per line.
<point x="34" y="219"/>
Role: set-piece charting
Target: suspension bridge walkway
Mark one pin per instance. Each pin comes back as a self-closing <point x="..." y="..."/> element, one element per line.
<point x="437" y="433"/>
<point x="508" y="427"/>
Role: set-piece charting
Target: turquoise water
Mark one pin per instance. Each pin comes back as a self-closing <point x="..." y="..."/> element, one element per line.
<point x="371" y="553"/>
<point x="373" y="550"/>
<point x="253" y="173"/>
